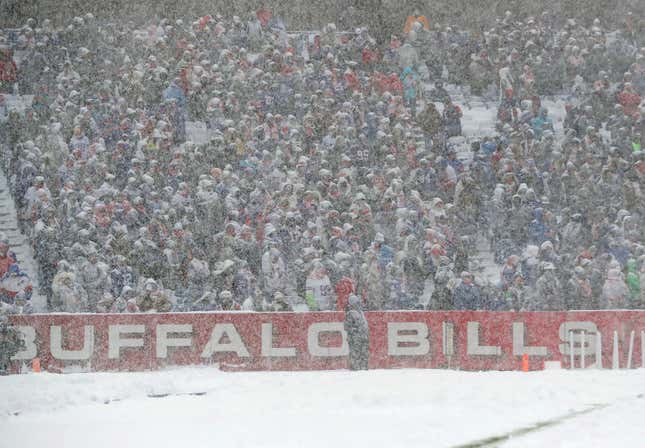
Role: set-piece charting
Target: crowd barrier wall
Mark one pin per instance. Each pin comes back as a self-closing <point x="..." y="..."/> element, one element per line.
<point x="465" y="340"/>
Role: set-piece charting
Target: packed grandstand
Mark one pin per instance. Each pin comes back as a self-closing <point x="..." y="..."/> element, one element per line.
<point x="326" y="166"/>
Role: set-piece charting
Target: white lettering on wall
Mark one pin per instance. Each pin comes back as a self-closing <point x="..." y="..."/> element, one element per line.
<point x="448" y="329"/>
<point x="313" y="339"/>
<point x="163" y="341"/>
<point x="56" y="344"/>
<point x="235" y="344"/>
<point x="473" y="347"/>
<point x="415" y="339"/>
<point x="519" y="349"/>
<point x="116" y="343"/>
<point x="267" y="344"/>
<point x="28" y="335"/>
<point x="588" y="327"/>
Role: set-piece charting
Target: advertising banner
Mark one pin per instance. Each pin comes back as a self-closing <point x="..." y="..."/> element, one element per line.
<point x="468" y="340"/>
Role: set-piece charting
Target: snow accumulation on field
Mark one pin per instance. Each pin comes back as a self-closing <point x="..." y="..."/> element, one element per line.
<point x="204" y="407"/>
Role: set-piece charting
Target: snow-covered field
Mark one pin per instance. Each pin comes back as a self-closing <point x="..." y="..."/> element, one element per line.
<point x="204" y="407"/>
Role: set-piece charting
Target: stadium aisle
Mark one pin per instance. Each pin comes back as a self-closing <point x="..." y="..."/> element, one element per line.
<point x="18" y="242"/>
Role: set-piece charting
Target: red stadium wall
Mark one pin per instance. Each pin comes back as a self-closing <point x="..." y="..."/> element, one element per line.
<point x="312" y="341"/>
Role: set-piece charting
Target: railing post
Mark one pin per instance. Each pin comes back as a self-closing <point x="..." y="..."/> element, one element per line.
<point x="598" y="350"/>
<point x="583" y="341"/>
<point x="571" y="356"/>
<point x="643" y="349"/>
<point x="631" y="350"/>
<point x="614" y="362"/>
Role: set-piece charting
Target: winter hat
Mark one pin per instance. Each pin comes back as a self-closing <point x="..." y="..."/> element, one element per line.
<point x="150" y="285"/>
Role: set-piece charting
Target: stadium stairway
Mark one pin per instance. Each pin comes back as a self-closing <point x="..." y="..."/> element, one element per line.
<point x="18" y="242"/>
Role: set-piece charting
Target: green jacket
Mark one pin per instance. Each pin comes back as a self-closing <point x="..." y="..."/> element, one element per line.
<point x="633" y="280"/>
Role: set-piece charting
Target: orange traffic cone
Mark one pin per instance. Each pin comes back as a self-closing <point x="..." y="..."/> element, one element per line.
<point x="35" y="365"/>
<point x="525" y="362"/>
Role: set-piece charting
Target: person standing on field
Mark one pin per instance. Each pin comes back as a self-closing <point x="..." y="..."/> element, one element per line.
<point x="358" y="334"/>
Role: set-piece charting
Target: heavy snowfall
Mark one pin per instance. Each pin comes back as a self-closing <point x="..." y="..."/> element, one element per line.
<point x="242" y="164"/>
<point x="228" y="164"/>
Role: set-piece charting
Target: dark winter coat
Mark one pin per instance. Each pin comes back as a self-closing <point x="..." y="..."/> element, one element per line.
<point x="452" y="120"/>
<point x="430" y="120"/>
<point x="467" y="297"/>
<point x="358" y="335"/>
<point x="442" y="298"/>
<point x="538" y="229"/>
<point x="550" y="296"/>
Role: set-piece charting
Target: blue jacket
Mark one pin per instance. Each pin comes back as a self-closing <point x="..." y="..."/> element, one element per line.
<point x="174" y="92"/>
<point x="385" y="256"/>
<point x="538" y="123"/>
<point x="467" y="297"/>
<point x="409" y="80"/>
<point x="537" y="228"/>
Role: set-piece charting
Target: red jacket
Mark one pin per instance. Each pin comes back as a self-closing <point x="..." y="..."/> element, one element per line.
<point x="263" y="15"/>
<point x="368" y="56"/>
<point x="344" y="288"/>
<point x="352" y="81"/>
<point x="203" y="21"/>
<point x="379" y="82"/>
<point x="8" y="71"/>
<point x="395" y="84"/>
<point x="5" y="262"/>
<point x="630" y="102"/>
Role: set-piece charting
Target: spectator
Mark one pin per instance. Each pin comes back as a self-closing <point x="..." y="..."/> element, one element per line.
<point x="467" y="295"/>
<point x="358" y="334"/>
<point x="7" y="258"/>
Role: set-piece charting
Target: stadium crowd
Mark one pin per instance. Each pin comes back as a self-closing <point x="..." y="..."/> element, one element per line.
<point x="329" y="169"/>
